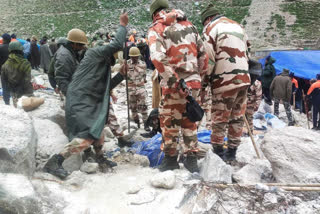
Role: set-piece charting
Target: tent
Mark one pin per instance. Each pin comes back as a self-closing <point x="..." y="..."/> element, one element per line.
<point x="305" y="64"/>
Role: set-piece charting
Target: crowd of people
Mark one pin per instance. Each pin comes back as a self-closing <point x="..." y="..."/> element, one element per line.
<point x="214" y="69"/>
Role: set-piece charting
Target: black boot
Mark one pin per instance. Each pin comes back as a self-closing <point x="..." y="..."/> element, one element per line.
<point x="54" y="166"/>
<point x="105" y="164"/>
<point x="122" y="142"/>
<point x="149" y="134"/>
<point x="137" y="121"/>
<point x="191" y="163"/>
<point x="218" y="150"/>
<point x="230" y="154"/>
<point x="169" y="163"/>
<point x="89" y="155"/>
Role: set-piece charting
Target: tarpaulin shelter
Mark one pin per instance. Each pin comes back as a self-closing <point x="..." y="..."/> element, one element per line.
<point x="305" y="63"/>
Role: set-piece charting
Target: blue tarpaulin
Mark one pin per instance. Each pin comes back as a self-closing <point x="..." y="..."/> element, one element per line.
<point x="24" y="41"/>
<point x="151" y="148"/>
<point x="304" y="64"/>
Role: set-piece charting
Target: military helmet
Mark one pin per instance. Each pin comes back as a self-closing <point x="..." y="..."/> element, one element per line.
<point x="15" y="46"/>
<point x="209" y="11"/>
<point x="157" y="4"/>
<point x="77" y="36"/>
<point x="134" y="51"/>
<point x="62" y="40"/>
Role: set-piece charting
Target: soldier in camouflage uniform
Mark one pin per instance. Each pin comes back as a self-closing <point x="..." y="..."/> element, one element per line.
<point x="254" y="100"/>
<point x="137" y="78"/>
<point x="114" y="126"/>
<point x="226" y="43"/>
<point x="177" y="52"/>
<point x="206" y="101"/>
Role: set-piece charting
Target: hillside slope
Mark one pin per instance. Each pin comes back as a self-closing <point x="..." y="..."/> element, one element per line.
<point x="270" y="24"/>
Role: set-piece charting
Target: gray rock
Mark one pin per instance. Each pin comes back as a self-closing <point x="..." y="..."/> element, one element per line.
<point x="258" y="171"/>
<point x="293" y="153"/>
<point x="73" y="163"/>
<point x="246" y="152"/>
<point x="89" y="168"/>
<point x="51" y="139"/>
<point x="50" y="110"/>
<point x="18" y="142"/>
<point x="134" y="189"/>
<point x="214" y="169"/>
<point x="140" y="160"/>
<point x="166" y="180"/>
<point x="269" y="200"/>
<point x="17" y="195"/>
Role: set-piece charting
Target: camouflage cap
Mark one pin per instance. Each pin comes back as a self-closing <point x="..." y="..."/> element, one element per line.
<point x="209" y="11"/>
<point x="157" y="4"/>
<point x="15" y="46"/>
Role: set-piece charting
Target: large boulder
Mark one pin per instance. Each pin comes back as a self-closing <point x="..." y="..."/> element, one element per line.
<point x="18" y="142"/>
<point x="293" y="153"/>
<point x="51" y="139"/>
<point x="258" y="171"/>
<point x="17" y="195"/>
<point x="50" y="109"/>
<point x="215" y="170"/>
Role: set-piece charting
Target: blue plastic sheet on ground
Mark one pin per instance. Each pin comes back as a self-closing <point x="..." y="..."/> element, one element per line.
<point x="304" y="64"/>
<point x="151" y="148"/>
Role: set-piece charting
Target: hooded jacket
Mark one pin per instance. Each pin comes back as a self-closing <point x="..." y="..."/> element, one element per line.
<point x="87" y="103"/>
<point x="16" y="71"/>
<point x="176" y="50"/>
<point x="268" y="73"/>
<point x="65" y="65"/>
<point x="281" y="87"/>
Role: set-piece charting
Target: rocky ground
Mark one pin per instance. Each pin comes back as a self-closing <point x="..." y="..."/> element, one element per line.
<point x="289" y="155"/>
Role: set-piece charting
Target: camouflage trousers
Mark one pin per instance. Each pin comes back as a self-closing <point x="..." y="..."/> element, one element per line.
<point x="78" y="145"/>
<point x="287" y="107"/>
<point x="249" y="114"/>
<point x="227" y="112"/>
<point x="113" y="124"/>
<point x="206" y="101"/>
<point x="137" y="98"/>
<point x="173" y="120"/>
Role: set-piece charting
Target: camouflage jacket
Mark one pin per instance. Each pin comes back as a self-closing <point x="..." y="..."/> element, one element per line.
<point x="255" y="95"/>
<point x="177" y="50"/>
<point x="226" y="43"/>
<point x="137" y="74"/>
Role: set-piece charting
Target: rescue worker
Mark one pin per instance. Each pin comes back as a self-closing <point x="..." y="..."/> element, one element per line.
<point x="88" y="101"/>
<point x="314" y="95"/>
<point x="67" y="59"/>
<point x="254" y="92"/>
<point x="226" y="43"/>
<point x="16" y="73"/>
<point x="296" y="93"/>
<point x="4" y="54"/>
<point x="268" y="74"/>
<point x="281" y="89"/>
<point x="45" y="55"/>
<point x="137" y="78"/>
<point x="51" y="72"/>
<point x="177" y="52"/>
